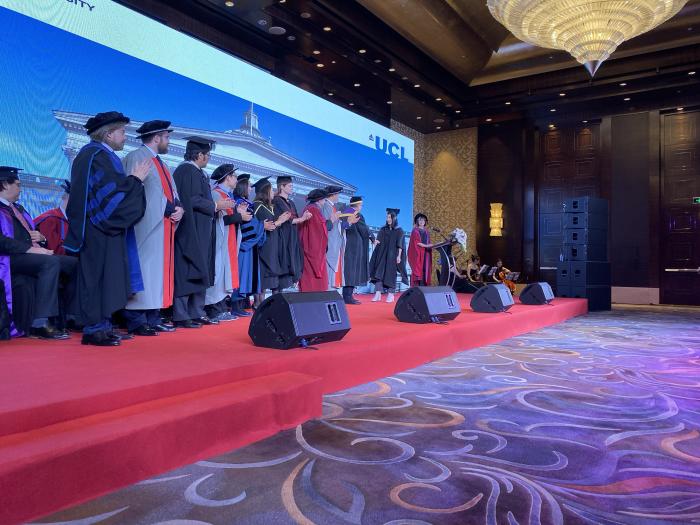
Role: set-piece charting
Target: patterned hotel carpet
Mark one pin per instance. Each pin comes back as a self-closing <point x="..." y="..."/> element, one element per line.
<point x="595" y="420"/>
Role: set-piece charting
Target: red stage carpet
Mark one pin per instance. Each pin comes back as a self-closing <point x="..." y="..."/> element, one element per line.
<point x="77" y="422"/>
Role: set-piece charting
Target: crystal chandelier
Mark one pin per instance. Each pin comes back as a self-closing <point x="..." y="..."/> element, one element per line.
<point x="590" y="30"/>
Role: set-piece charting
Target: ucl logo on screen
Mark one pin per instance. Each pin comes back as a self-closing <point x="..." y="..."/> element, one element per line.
<point x="388" y="148"/>
<point x="81" y="3"/>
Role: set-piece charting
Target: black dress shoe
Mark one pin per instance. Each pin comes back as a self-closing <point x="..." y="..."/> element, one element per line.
<point x="100" y="339"/>
<point x="189" y="323"/>
<point x="144" y="331"/>
<point x="48" y="332"/>
<point x="163" y="328"/>
<point x="206" y="320"/>
<point x="121" y="336"/>
<point x="352" y="300"/>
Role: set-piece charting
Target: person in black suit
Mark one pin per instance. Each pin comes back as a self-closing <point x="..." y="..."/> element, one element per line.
<point x="21" y="247"/>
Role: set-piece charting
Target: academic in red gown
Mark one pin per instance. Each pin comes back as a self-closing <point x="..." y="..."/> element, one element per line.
<point x="53" y="225"/>
<point x="313" y="236"/>
<point x="420" y="259"/>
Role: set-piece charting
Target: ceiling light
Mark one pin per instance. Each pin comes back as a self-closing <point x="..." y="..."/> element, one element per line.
<point x="448" y="105"/>
<point x="319" y="65"/>
<point x="229" y="3"/>
<point x="388" y="102"/>
<point x="262" y="22"/>
<point x="585" y="122"/>
<point x="691" y="72"/>
<point x="330" y="94"/>
<point x="589" y="31"/>
<point x="392" y="69"/>
<point x="626" y="99"/>
<point x="327" y="28"/>
<point x="418" y="118"/>
<point x="679" y="109"/>
<point x="351" y="103"/>
<point x="362" y="51"/>
<point x="623" y="84"/>
<point x="356" y="84"/>
<point x="305" y="15"/>
<point x="508" y="103"/>
<point x="377" y="60"/>
<point x="316" y="52"/>
<point x="291" y="38"/>
<point x="551" y="126"/>
<point x="458" y="111"/>
<point x="277" y="30"/>
<point x="404" y="78"/>
<point x="562" y="94"/>
<point x="416" y="85"/>
<point x="438" y="127"/>
<point x="438" y="99"/>
<point x="489" y="119"/>
<point x="332" y="61"/>
<point x="553" y="110"/>
<point x="283" y="1"/>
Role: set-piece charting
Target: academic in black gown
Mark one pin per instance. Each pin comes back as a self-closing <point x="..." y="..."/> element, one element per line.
<point x="105" y="204"/>
<point x="291" y="256"/>
<point x="194" y="240"/>
<point x="269" y="252"/>
<point x="382" y="265"/>
<point x="356" y="261"/>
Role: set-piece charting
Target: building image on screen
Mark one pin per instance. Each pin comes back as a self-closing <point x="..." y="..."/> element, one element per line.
<point x="75" y="63"/>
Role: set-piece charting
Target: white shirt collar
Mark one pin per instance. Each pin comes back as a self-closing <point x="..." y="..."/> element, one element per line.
<point x="152" y="152"/>
<point x="107" y="146"/>
<point x="5" y="201"/>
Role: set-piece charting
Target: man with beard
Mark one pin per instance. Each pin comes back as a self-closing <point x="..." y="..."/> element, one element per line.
<point x="194" y="242"/>
<point x="155" y="232"/>
<point x="105" y="204"/>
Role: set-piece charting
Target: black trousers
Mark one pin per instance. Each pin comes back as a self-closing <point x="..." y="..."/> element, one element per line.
<point x="138" y="318"/>
<point x="47" y="269"/>
<point x="189" y="306"/>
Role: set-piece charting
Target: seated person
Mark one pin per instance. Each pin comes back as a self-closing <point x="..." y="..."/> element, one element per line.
<point x="474" y="269"/>
<point x="500" y="275"/>
<point x="21" y="253"/>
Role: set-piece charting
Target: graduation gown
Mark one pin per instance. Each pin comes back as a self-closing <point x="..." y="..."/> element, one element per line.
<point x="420" y="259"/>
<point x="313" y="235"/>
<point x="53" y="224"/>
<point x="356" y="260"/>
<point x="194" y="242"/>
<point x="269" y="252"/>
<point x="155" y="234"/>
<point x="19" y="293"/>
<point x="252" y="235"/>
<point x="105" y="204"/>
<point x="291" y="256"/>
<point x="336" y="243"/>
<point x="226" y="251"/>
<point x="382" y="265"/>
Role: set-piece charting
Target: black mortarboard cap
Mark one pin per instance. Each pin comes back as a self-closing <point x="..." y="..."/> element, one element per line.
<point x="65" y="184"/>
<point x="418" y="216"/>
<point x="284" y="179"/>
<point x="153" y="126"/>
<point x="333" y="190"/>
<point x="259" y="185"/>
<point x="200" y="142"/>
<point x="355" y="198"/>
<point x="102" y="119"/>
<point x="9" y="172"/>
<point x="243" y="177"/>
<point x="222" y="172"/>
<point x="316" y="195"/>
<point x="395" y="211"/>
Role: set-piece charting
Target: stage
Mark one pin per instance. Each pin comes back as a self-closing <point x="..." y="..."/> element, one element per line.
<point x="80" y="421"/>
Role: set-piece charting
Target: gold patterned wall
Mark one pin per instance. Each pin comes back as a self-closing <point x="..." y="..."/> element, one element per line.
<point x="444" y="176"/>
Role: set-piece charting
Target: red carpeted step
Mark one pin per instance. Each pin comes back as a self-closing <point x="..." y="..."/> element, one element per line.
<point x="56" y="466"/>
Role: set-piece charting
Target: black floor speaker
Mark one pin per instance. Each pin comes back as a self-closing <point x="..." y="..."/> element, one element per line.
<point x="492" y="298"/>
<point x="427" y="304"/>
<point x="537" y="293"/>
<point x="292" y="320"/>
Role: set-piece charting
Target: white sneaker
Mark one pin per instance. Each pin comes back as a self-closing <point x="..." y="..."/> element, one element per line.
<point x="390" y="297"/>
<point x="377" y="297"/>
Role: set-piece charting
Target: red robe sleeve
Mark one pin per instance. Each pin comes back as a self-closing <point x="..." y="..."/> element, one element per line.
<point x="50" y="225"/>
<point x="314" y="241"/>
<point x="416" y="255"/>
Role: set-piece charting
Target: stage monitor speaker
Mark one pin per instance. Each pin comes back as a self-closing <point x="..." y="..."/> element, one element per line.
<point x="427" y="304"/>
<point x="492" y="298"/>
<point x="292" y="320"/>
<point x="537" y="293"/>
